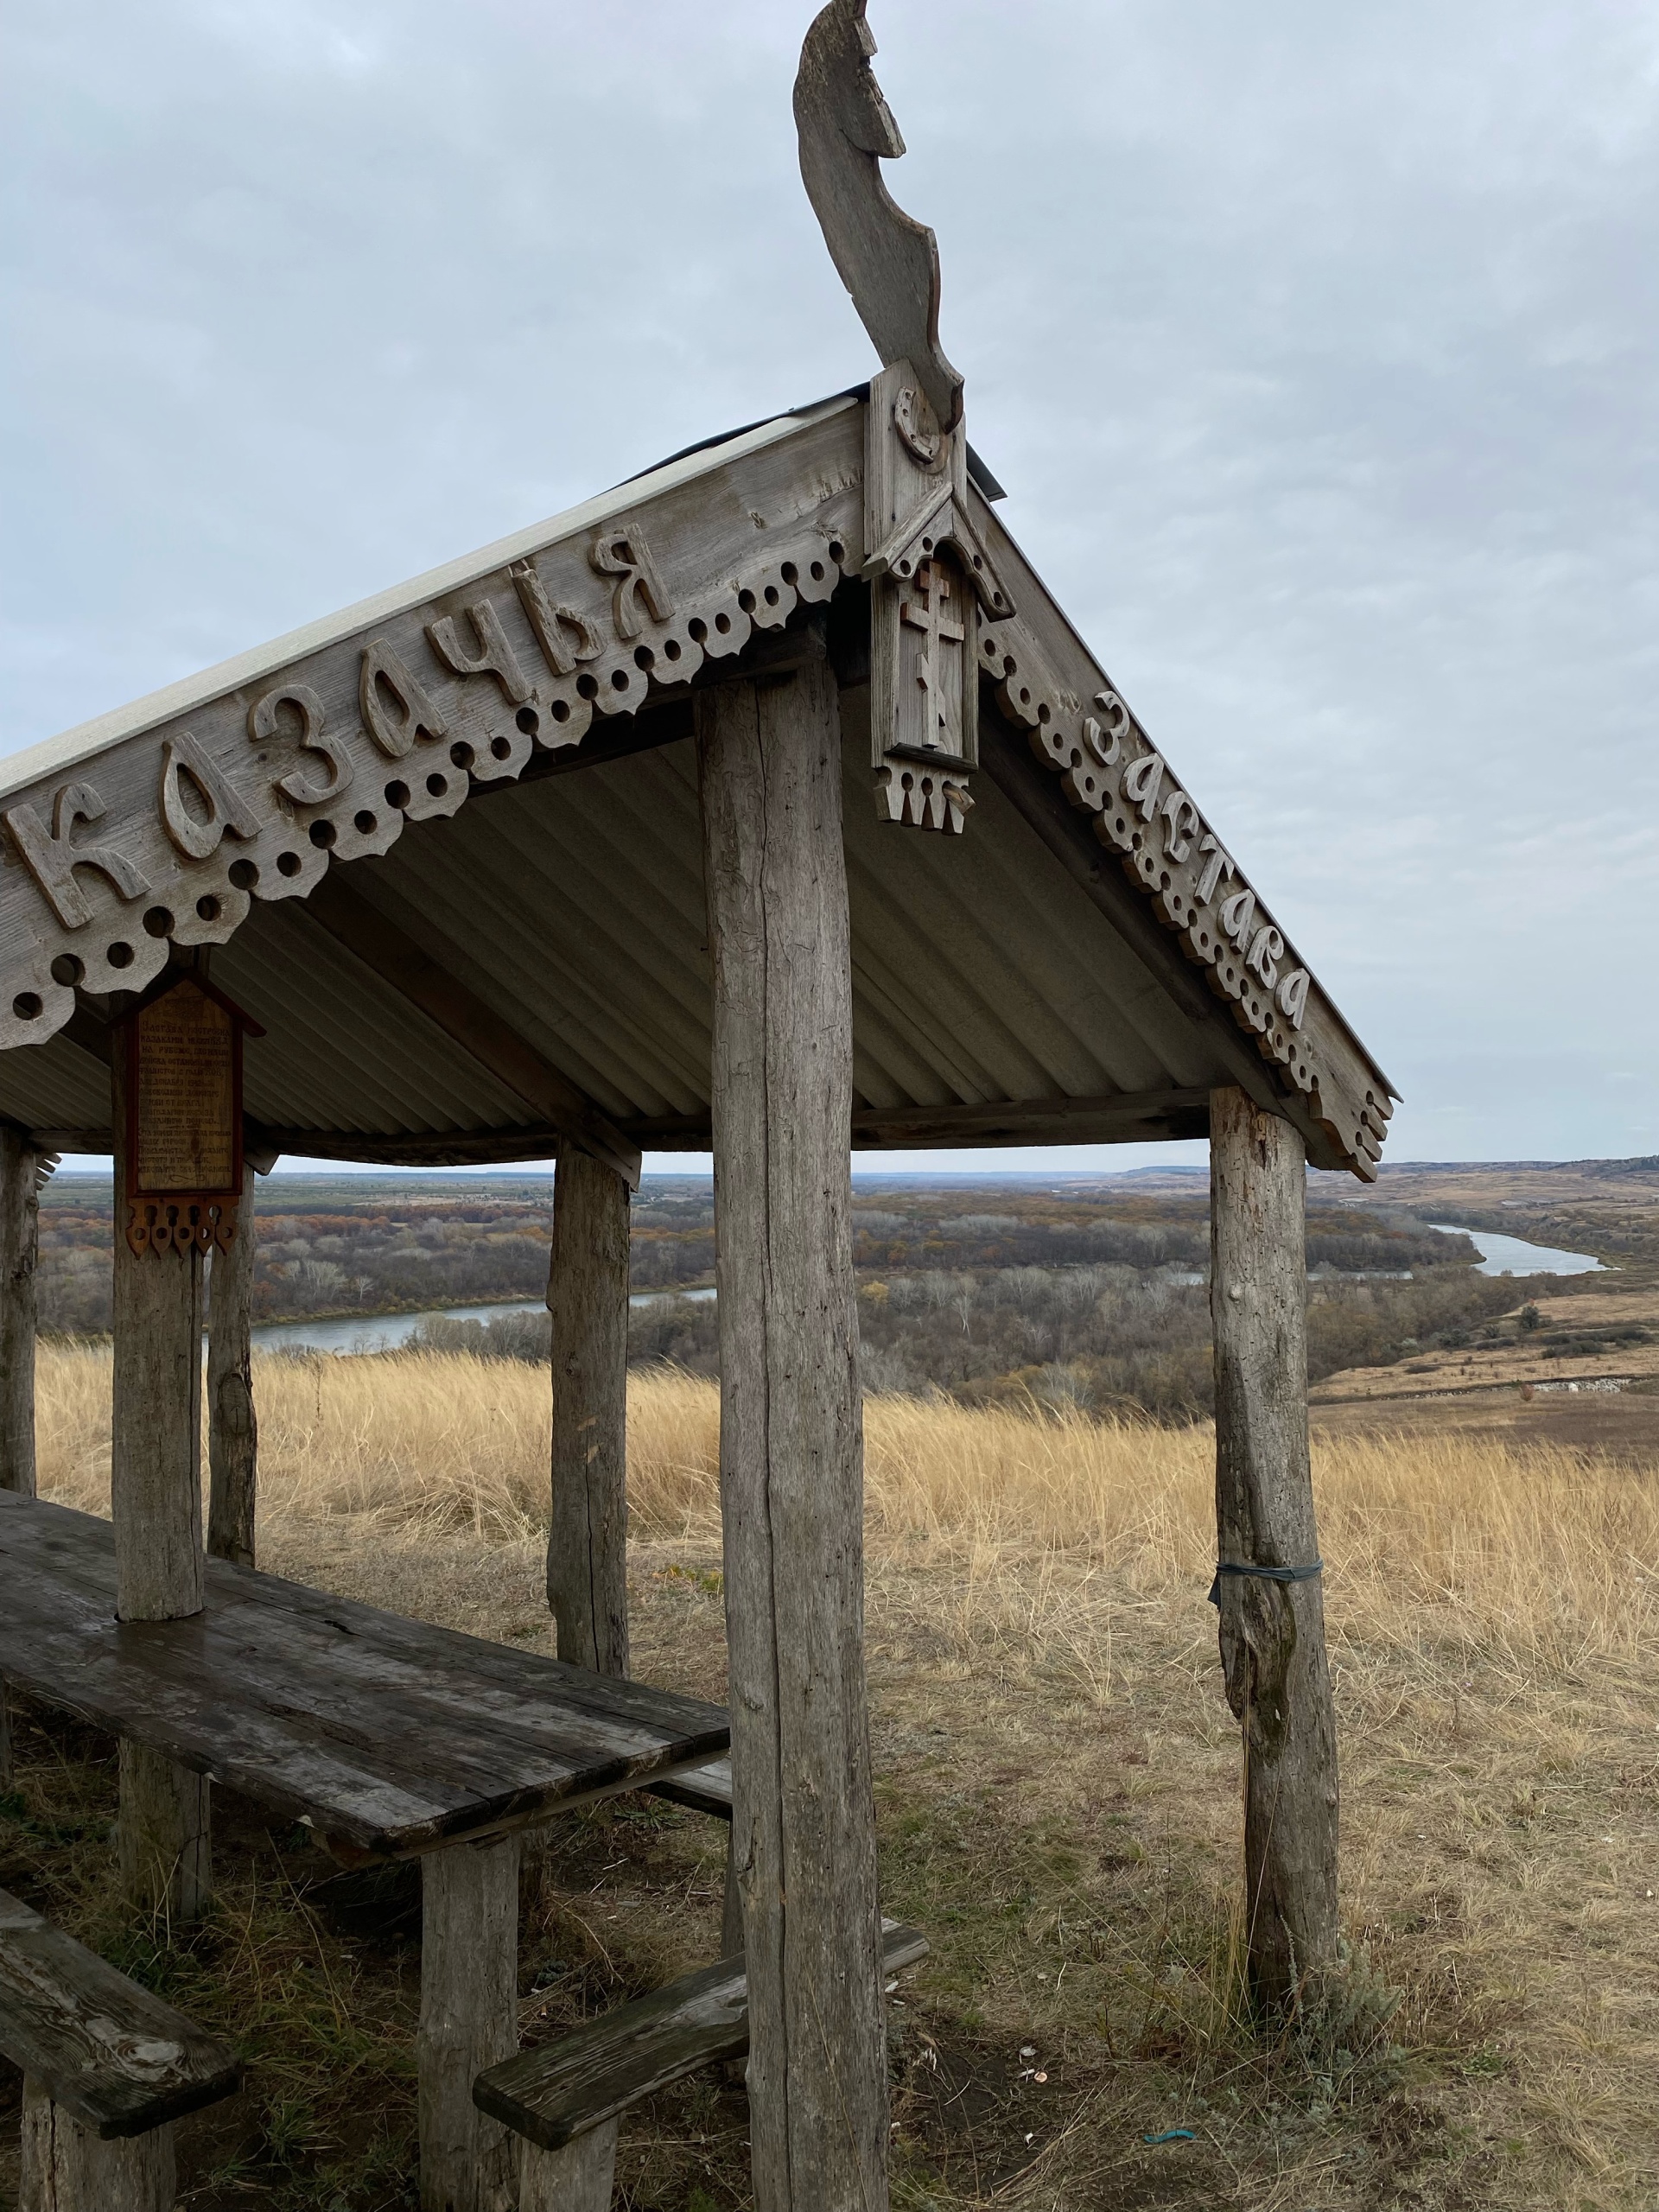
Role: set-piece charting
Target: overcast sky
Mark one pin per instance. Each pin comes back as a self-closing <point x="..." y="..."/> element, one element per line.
<point x="1315" y="345"/>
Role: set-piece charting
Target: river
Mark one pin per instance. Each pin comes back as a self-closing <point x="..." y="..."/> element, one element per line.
<point x="1509" y="1255"/>
<point x="385" y="1331"/>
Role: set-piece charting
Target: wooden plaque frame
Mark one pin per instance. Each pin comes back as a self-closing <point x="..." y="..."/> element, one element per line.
<point x="170" y="1207"/>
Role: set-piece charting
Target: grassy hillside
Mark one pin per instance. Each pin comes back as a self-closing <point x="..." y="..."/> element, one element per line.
<point x="1057" y="1780"/>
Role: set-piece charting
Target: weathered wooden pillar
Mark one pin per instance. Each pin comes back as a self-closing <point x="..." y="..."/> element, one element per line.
<point x="1272" y="1629"/>
<point x="232" y="1429"/>
<point x="791" y="1448"/>
<point x="155" y="1502"/>
<point x="64" y="2167"/>
<point x="587" y="1298"/>
<point x="19" y="1246"/>
<point x="469" y="2020"/>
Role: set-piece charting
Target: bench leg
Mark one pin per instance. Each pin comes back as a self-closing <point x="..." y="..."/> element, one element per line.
<point x="469" y="2020"/>
<point x="65" y="2168"/>
<point x="575" y="2179"/>
<point x="165" y="1834"/>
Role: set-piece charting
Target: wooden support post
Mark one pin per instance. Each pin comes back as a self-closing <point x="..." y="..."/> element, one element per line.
<point x="232" y="1429"/>
<point x="1272" y="1633"/>
<point x="577" y="2178"/>
<point x="791" y="1450"/>
<point x="19" y="1245"/>
<point x="155" y="1502"/>
<point x="587" y="1298"/>
<point x="66" y="2168"/>
<point x="469" y="2020"/>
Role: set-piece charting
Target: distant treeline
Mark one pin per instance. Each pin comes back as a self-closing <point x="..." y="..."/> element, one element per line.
<point x="1085" y="1296"/>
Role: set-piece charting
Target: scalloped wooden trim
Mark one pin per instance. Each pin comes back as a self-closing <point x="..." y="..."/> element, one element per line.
<point x="1109" y="768"/>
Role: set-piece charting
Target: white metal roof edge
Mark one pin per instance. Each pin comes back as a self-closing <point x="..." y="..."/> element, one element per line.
<point x="86" y="742"/>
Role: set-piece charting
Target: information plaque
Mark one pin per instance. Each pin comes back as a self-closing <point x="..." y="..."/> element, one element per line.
<point x="184" y="1119"/>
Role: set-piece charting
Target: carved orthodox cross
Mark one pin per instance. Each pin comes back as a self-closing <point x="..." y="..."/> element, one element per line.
<point x="938" y="673"/>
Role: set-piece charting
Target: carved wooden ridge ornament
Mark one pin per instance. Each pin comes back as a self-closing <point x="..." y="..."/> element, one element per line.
<point x="183" y="1135"/>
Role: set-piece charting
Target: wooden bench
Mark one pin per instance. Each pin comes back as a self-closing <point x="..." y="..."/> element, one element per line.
<point x="107" y="2069"/>
<point x="564" y="2098"/>
<point x="704" y="1789"/>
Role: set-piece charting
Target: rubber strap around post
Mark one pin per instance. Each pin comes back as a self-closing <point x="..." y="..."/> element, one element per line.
<point x="1262" y="1574"/>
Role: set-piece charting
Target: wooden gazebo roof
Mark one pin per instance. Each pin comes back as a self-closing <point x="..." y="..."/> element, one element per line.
<point x="446" y="845"/>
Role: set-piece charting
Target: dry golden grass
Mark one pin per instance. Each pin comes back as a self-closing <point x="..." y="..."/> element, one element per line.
<point x="1058" y="1774"/>
<point x="1543" y="1556"/>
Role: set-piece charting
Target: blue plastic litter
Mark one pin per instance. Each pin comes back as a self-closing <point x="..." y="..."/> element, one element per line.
<point x="1171" y="2135"/>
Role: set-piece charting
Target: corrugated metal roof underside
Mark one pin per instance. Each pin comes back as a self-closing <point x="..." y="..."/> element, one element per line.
<point x="573" y="908"/>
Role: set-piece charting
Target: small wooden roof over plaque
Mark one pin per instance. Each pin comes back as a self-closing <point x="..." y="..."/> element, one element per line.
<point x="447" y="842"/>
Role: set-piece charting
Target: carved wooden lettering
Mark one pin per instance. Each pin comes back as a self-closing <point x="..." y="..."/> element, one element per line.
<point x="1182" y="823"/>
<point x="1139" y="784"/>
<point x="53" y="857"/>
<point x="396" y="709"/>
<point x="1266" y="950"/>
<point x="1293" y="995"/>
<point x="1238" y="914"/>
<point x="1106" y="745"/>
<point x="198" y="836"/>
<point x="265" y="726"/>
<point x="623" y="553"/>
<point x="551" y="620"/>
<point x="494" y="656"/>
<point x="1218" y="867"/>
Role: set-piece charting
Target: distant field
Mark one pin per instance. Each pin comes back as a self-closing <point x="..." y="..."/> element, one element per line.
<point x="1057" y="1778"/>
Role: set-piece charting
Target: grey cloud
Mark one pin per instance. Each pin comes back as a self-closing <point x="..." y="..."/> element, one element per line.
<point x="1315" y="345"/>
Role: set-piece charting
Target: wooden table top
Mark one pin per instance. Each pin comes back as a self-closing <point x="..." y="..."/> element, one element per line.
<point x="386" y="1735"/>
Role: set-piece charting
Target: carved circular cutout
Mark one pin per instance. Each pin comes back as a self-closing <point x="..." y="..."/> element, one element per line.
<point x="437" y="784"/>
<point x="619" y="679"/>
<point x="67" y="970"/>
<point x="560" y="710"/>
<point x="917" y="425"/>
<point x="28" y="1006"/>
<point x="288" y="863"/>
<point x="243" y="874"/>
<point x="363" y="823"/>
<point x="588" y="686"/>
<point x="119" y="954"/>
<point x="158" y="922"/>
<point x="322" y="833"/>
<point x="462" y="755"/>
<point x="789" y="572"/>
<point x="501" y="748"/>
<point x="528" y="721"/>
<point x="722" y="623"/>
<point x="816" y="572"/>
<point x="746" y="601"/>
<point x="697" y="628"/>
<point x="398" y="795"/>
<point x="670" y="649"/>
<point x="208" y="907"/>
<point x="837" y="551"/>
<point x="644" y="657"/>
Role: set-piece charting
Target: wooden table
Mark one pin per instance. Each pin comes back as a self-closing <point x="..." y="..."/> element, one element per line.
<point x="390" y="1739"/>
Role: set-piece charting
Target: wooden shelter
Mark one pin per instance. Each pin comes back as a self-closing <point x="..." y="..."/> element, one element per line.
<point x="767" y="804"/>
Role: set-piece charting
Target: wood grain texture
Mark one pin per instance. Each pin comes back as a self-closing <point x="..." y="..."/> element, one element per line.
<point x="469" y="2020"/>
<point x="233" y="1425"/>
<point x="578" y="2178"/>
<point x="116" y="2058"/>
<point x="791" y="1440"/>
<point x="156" y="1438"/>
<point x="1272" y="1634"/>
<point x="704" y="1789"/>
<point x="164" y="1829"/>
<point x="63" y="2167"/>
<point x="19" y="1249"/>
<point x="387" y="1736"/>
<point x="555" y="2094"/>
<point x="587" y="1299"/>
